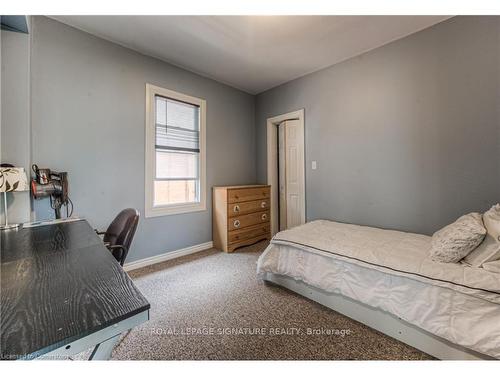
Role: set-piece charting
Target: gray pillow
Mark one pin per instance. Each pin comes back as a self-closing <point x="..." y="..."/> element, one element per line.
<point x="455" y="241"/>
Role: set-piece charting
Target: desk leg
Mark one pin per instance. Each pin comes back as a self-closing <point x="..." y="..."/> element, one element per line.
<point x="102" y="341"/>
<point x="103" y="350"/>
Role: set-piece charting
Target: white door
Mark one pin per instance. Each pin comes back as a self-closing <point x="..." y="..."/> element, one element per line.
<point x="290" y="175"/>
<point x="282" y="175"/>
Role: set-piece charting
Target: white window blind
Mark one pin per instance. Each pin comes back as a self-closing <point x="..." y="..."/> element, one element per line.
<point x="177" y="125"/>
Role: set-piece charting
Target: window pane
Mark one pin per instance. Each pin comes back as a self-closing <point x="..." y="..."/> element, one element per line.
<point x="177" y="125"/>
<point x="161" y="110"/>
<point x="182" y="165"/>
<point x="179" y="191"/>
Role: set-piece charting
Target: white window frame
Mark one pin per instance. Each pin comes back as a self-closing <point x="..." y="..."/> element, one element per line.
<point x="177" y="208"/>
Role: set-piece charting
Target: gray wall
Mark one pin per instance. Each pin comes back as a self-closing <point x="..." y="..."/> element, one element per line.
<point x="88" y="103"/>
<point x="15" y="120"/>
<point x="406" y="136"/>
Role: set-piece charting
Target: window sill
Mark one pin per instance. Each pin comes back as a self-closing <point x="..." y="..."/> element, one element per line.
<point x="174" y="209"/>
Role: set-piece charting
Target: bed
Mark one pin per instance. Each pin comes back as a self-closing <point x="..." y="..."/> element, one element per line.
<point x="385" y="279"/>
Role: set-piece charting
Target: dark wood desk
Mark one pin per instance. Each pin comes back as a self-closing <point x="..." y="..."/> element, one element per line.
<point x="63" y="292"/>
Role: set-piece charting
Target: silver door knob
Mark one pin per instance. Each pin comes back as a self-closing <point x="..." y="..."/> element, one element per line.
<point x="236" y="223"/>
<point x="264" y="216"/>
<point x="263" y="204"/>
<point x="236" y="208"/>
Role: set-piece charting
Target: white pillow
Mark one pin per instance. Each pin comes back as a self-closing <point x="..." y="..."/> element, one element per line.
<point x="492" y="266"/>
<point x="491" y="219"/>
<point x="457" y="240"/>
<point x="489" y="250"/>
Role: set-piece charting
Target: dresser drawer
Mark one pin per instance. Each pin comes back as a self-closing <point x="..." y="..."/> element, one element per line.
<point x="243" y="208"/>
<point x="244" y="221"/>
<point x="248" y="233"/>
<point x="249" y="194"/>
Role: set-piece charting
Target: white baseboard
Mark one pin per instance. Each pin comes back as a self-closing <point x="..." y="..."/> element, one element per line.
<point x="167" y="256"/>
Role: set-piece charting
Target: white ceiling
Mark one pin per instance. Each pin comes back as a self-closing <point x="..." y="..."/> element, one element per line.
<point x="252" y="53"/>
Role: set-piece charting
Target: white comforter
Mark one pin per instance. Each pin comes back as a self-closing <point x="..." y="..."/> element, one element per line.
<point x="391" y="270"/>
<point x="392" y="252"/>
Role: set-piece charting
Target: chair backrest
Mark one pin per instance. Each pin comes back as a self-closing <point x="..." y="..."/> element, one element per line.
<point x="121" y="232"/>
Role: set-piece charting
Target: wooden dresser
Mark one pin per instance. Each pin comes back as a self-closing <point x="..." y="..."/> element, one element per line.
<point x="241" y="215"/>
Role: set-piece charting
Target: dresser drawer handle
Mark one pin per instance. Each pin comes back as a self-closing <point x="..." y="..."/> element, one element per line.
<point x="236" y="208"/>
<point x="236" y="223"/>
<point x="263" y="205"/>
<point x="264" y="216"/>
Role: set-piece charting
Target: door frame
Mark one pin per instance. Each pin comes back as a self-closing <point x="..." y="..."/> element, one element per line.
<point x="272" y="162"/>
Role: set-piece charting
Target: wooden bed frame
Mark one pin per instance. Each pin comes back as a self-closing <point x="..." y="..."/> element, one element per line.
<point x="379" y="320"/>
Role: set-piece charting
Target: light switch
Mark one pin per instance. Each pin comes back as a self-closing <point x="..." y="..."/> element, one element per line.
<point x="314" y="166"/>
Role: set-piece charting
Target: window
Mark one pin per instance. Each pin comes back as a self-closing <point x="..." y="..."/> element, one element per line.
<point x="175" y="152"/>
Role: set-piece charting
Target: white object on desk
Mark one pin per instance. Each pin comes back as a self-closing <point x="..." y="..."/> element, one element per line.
<point x="11" y="179"/>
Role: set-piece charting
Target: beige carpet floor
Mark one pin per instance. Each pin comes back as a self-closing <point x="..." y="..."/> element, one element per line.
<point x="211" y="305"/>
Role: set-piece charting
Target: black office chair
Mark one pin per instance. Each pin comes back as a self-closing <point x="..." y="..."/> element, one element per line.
<point x="120" y="233"/>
